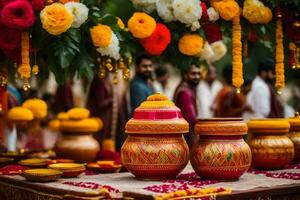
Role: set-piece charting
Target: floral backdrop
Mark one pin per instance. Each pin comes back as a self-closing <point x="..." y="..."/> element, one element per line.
<point x="81" y="38"/>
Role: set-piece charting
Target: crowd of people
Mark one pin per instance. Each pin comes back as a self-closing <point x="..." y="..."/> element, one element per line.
<point x="195" y="95"/>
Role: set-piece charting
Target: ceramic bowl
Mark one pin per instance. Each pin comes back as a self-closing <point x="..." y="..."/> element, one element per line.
<point x="70" y="170"/>
<point x="42" y="175"/>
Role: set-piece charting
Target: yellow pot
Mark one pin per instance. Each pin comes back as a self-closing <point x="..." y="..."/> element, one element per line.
<point x="270" y="145"/>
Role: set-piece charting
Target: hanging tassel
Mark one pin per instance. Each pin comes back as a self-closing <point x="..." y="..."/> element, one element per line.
<point x="237" y="65"/>
<point x="279" y="67"/>
<point x="24" y="69"/>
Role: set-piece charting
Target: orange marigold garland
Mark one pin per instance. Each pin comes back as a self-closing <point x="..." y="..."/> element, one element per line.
<point x="24" y="69"/>
<point x="280" y="83"/>
<point x="237" y="65"/>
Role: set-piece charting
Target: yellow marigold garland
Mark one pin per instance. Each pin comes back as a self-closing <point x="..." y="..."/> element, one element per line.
<point x="280" y="83"/>
<point x="237" y="64"/>
<point x="24" y="69"/>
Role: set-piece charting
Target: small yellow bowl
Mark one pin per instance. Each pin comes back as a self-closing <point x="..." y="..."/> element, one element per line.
<point x="69" y="170"/>
<point x="42" y="175"/>
<point x="33" y="162"/>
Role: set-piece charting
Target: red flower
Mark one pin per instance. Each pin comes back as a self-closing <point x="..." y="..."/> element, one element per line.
<point x="212" y="32"/>
<point x="156" y="43"/>
<point x="18" y="14"/>
<point x="9" y="38"/>
<point x="37" y="5"/>
<point x="204" y="12"/>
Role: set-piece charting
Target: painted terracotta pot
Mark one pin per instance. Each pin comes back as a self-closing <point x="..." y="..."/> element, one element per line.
<point x="295" y="135"/>
<point x="271" y="147"/>
<point x="221" y="152"/>
<point x="155" y="148"/>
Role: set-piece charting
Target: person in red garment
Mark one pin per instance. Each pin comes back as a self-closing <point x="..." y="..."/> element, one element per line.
<point x="185" y="99"/>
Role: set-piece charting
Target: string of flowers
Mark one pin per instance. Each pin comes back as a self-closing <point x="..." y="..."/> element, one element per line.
<point x="24" y="69"/>
<point x="280" y="83"/>
<point x="237" y="65"/>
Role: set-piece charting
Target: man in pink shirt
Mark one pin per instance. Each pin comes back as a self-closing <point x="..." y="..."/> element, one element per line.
<point x="185" y="99"/>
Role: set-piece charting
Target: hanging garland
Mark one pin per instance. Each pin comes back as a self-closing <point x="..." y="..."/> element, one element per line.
<point x="237" y="65"/>
<point x="280" y="82"/>
<point x="24" y="69"/>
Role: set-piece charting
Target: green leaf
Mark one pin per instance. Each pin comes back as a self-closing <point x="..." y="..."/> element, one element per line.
<point x="59" y="73"/>
<point x="63" y="54"/>
<point x="109" y="20"/>
<point x="74" y="34"/>
<point x="229" y="155"/>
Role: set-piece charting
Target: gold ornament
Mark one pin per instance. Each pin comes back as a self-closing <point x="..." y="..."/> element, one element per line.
<point x="35" y="69"/>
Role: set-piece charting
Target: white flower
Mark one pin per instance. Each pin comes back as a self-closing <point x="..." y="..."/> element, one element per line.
<point x="207" y="52"/>
<point x="187" y="11"/>
<point x="195" y="25"/>
<point x="79" y="11"/>
<point x="165" y="10"/>
<point x="213" y="15"/>
<point x="144" y="5"/>
<point x="219" y="49"/>
<point x="112" y="50"/>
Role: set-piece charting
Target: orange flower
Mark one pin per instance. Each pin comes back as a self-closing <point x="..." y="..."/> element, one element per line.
<point x="67" y="1"/>
<point x="227" y="9"/>
<point x="101" y="35"/>
<point x="141" y="25"/>
<point x="190" y="44"/>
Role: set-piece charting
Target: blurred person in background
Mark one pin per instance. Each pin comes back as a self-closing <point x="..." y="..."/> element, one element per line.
<point x="207" y="91"/>
<point x="263" y="98"/>
<point x="228" y="103"/>
<point x="161" y="83"/>
<point x="141" y="86"/>
<point x="63" y="99"/>
<point x="185" y="99"/>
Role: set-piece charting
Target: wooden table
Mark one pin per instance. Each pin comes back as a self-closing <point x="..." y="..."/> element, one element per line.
<point x="17" y="188"/>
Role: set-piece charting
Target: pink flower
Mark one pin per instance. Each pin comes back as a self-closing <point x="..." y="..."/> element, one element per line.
<point x="18" y="15"/>
<point x="37" y="5"/>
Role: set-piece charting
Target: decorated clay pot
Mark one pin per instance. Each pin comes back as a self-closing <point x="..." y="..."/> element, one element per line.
<point x="221" y="152"/>
<point x="271" y="147"/>
<point x="77" y="142"/>
<point x="295" y="135"/>
<point x="155" y="148"/>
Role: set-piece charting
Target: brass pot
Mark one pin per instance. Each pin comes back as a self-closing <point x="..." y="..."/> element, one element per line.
<point x="81" y="147"/>
<point x="295" y="135"/>
<point x="271" y="147"/>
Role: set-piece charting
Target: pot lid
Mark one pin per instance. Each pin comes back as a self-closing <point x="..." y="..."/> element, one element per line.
<point x="295" y="122"/>
<point x="269" y="126"/>
<point x="221" y="126"/>
<point x="157" y="115"/>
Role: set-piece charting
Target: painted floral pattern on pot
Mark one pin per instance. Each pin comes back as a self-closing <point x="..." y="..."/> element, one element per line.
<point x="221" y="152"/>
<point x="155" y="147"/>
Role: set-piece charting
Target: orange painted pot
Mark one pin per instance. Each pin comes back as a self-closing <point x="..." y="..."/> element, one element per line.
<point x="221" y="152"/>
<point x="295" y="135"/>
<point x="271" y="147"/>
<point x="155" y="148"/>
